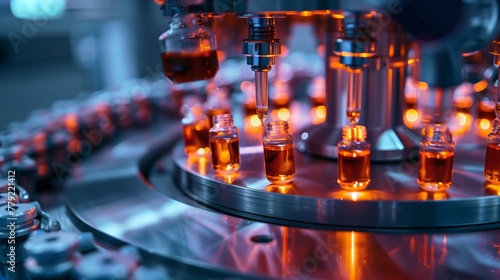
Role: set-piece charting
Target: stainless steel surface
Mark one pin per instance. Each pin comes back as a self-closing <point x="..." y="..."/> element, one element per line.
<point x="112" y="200"/>
<point x="383" y="97"/>
<point x="393" y="199"/>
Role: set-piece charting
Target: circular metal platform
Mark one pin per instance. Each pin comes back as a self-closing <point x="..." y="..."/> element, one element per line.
<point x="393" y="199"/>
<point x="124" y="194"/>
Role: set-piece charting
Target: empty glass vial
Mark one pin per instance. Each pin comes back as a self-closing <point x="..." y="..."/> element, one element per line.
<point x="279" y="159"/>
<point x="353" y="158"/>
<point x="188" y="49"/>
<point x="224" y="143"/>
<point x="436" y="158"/>
<point x="195" y="130"/>
<point x="492" y="162"/>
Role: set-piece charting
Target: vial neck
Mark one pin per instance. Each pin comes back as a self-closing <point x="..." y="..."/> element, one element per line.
<point x="223" y="120"/>
<point x="354" y="133"/>
<point x="277" y="127"/>
<point x="438" y="133"/>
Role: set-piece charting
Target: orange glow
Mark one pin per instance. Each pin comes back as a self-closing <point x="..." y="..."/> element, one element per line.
<point x="352" y="54"/>
<point x="283" y="189"/>
<point x="483" y="127"/>
<point x="306" y="13"/>
<point x="411" y="61"/>
<point x="464" y="122"/>
<point x="203" y="151"/>
<point x="484" y="124"/>
<point x="284" y="114"/>
<point x="423" y="85"/>
<point x="480" y="86"/>
<point x="462" y="118"/>
<point x="318" y="114"/>
<point x="71" y="122"/>
<point x="398" y="64"/>
<point x="202" y="165"/>
<point x="255" y="121"/>
<point x="321" y="112"/>
<point x="411" y="115"/>
<point x="464" y="102"/>
<point x="493" y="188"/>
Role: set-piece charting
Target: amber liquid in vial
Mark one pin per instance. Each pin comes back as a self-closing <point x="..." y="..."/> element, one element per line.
<point x="354" y="169"/>
<point x="196" y="137"/>
<point x="182" y="67"/>
<point x="492" y="163"/>
<point x="279" y="163"/>
<point x="434" y="170"/>
<point x="214" y="112"/>
<point x="225" y="155"/>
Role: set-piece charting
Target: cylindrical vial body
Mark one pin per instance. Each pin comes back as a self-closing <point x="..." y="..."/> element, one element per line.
<point x="195" y="131"/>
<point x="492" y="162"/>
<point x="353" y="158"/>
<point x="436" y="158"/>
<point x="224" y="143"/>
<point x="279" y="158"/>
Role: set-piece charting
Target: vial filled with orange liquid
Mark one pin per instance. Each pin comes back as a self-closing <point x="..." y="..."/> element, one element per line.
<point x="492" y="161"/>
<point x="224" y="143"/>
<point x="188" y="49"/>
<point x="436" y="158"/>
<point x="195" y="131"/>
<point x="279" y="159"/>
<point x="353" y="158"/>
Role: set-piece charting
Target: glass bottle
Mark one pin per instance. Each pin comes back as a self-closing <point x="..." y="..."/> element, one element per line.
<point x="492" y="162"/>
<point x="188" y="49"/>
<point x="195" y="130"/>
<point x="279" y="159"/>
<point x="436" y="158"/>
<point x="353" y="158"/>
<point x="224" y="143"/>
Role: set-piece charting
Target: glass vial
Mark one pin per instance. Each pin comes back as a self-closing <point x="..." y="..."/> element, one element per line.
<point x="436" y="158"/>
<point x="279" y="153"/>
<point x="195" y="130"/>
<point x="353" y="158"/>
<point x="492" y="162"/>
<point x="224" y="143"/>
<point x="188" y="49"/>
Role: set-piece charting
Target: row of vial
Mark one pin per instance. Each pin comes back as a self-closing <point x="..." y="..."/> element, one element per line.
<point x="222" y="141"/>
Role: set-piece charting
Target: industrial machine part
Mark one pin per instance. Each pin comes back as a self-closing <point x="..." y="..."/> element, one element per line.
<point x="128" y="179"/>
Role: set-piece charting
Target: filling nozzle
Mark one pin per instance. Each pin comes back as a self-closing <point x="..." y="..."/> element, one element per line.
<point x="261" y="93"/>
<point x="354" y="94"/>
<point x="261" y="49"/>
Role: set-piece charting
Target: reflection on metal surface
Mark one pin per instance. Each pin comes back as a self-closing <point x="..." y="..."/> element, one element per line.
<point x="206" y="244"/>
<point x="394" y="200"/>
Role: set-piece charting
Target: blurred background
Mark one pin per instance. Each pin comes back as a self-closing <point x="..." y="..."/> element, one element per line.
<point x="56" y="49"/>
